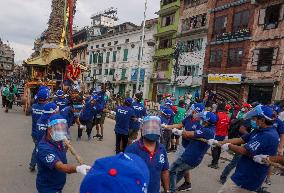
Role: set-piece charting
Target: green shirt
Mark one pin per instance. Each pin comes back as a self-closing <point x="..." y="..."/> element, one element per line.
<point x="179" y="116"/>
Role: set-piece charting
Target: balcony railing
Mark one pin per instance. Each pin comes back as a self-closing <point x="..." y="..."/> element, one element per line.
<point x="240" y="34"/>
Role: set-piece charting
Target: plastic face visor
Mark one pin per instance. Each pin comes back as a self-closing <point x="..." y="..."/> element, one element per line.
<point x="256" y="112"/>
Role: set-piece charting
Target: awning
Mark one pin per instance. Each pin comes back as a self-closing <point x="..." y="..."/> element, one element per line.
<point x="47" y="55"/>
<point x="166" y="33"/>
<point x="260" y="81"/>
<point x="169" y="10"/>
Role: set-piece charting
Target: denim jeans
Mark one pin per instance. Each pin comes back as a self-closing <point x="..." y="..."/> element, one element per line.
<point x="230" y="166"/>
<point x="33" y="158"/>
<point x="177" y="170"/>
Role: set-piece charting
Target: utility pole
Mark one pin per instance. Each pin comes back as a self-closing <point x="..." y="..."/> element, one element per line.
<point x="176" y="66"/>
<point x="142" y="47"/>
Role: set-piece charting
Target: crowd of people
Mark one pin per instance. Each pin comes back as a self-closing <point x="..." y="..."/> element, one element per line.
<point x="254" y="133"/>
<point x="187" y="128"/>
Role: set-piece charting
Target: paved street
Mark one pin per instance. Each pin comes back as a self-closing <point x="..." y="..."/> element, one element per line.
<point x="16" y="146"/>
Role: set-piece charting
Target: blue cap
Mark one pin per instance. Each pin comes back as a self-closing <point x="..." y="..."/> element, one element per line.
<point x="49" y="109"/>
<point x="276" y="108"/>
<point x="128" y="100"/>
<point x="267" y="112"/>
<point x="169" y="102"/>
<point x="167" y="111"/>
<point x="59" y="93"/>
<point x="198" y="107"/>
<point x="42" y="94"/>
<point x="122" y="173"/>
<point x="94" y="97"/>
<point x="209" y="117"/>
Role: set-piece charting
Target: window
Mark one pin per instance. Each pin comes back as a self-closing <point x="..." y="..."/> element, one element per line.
<point x="220" y="25"/>
<point x="103" y="45"/>
<point x="241" y="20"/>
<point x="100" y="72"/>
<point x="188" y="70"/>
<point x="165" y="43"/>
<point x="194" y="22"/>
<point x="194" y="45"/>
<point x="272" y="17"/>
<point x="123" y="74"/>
<point x="215" y="58"/>
<point x="235" y="57"/>
<point x="101" y="58"/>
<point x="127" y="41"/>
<point x="114" y="56"/>
<point x="163" y="65"/>
<point x="95" y="58"/>
<point x="91" y="58"/>
<point x="111" y="71"/>
<point x="109" y="44"/>
<point x="115" y="42"/>
<point x="106" y="71"/>
<point x="166" y="2"/>
<point x="125" y="55"/>
<point x="193" y="3"/>
<point x="265" y="59"/>
<point x="168" y="20"/>
<point x="97" y="46"/>
<point x="107" y="57"/>
<point x="92" y="47"/>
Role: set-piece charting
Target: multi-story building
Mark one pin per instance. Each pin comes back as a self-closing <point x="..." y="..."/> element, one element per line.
<point x="6" y="60"/>
<point x="228" y="48"/>
<point x="264" y="77"/>
<point x="192" y="40"/>
<point x="114" y="56"/>
<point x="167" y="29"/>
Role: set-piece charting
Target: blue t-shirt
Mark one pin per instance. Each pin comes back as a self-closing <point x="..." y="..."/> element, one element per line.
<point x="156" y="162"/>
<point x="101" y="102"/>
<point x="195" y="150"/>
<point x="249" y="174"/>
<point x="88" y="112"/>
<point x="49" y="179"/>
<point x="122" y="118"/>
<point x="37" y="111"/>
<point x="42" y="125"/>
<point x="61" y="103"/>
<point x="279" y="125"/>
<point x="189" y="125"/>
<point x="140" y="112"/>
<point x="68" y="115"/>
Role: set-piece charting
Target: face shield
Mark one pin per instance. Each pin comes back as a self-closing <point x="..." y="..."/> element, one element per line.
<point x="59" y="129"/>
<point x="256" y="112"/>
<point x="151" y="128"/>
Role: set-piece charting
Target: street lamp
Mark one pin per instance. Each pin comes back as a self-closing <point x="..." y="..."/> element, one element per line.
<point x="142" y="46"/>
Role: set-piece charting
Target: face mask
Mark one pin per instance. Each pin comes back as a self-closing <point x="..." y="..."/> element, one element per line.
<point x="152" y="137"/>
<point x="253" y="124"/>
<point x="58" y="135"/>
<point x="77" y="113"/>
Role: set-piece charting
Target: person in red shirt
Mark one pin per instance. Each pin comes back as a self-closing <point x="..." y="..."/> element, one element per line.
<point x="222" y="128"/>
<point x="72" y="74"/>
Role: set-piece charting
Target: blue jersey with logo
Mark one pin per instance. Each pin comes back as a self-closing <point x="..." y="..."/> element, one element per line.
<point x="279" y="125"/>
<point x="88" y="112"/>
<point x="37" y="111"/>
<point x="101" y="102"/>
<point x="249" y="174"/>
<point x="189" y="125"/>
<point x="49" y="179"/>
<point x="61" y="103"/>
<point x="42" y="125"/>
<point x="195" y="150"/>
<point x="68" y="115"/>
<point x="156" y="162"/>
<point x="122" y="118"/>
<point x="140" y="112"/>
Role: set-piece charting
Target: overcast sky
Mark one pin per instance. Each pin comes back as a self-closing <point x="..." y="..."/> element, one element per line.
<point x="21" y="21"/>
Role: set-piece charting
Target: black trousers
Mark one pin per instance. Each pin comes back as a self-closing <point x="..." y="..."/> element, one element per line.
<point x="216" y="152"/>
<point x="118" y="139"/>
<point x="3" y="101"/>
<point x="89" y="125"/>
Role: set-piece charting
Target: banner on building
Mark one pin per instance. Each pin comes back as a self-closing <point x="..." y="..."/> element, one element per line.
<point x="225" y="78"/>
